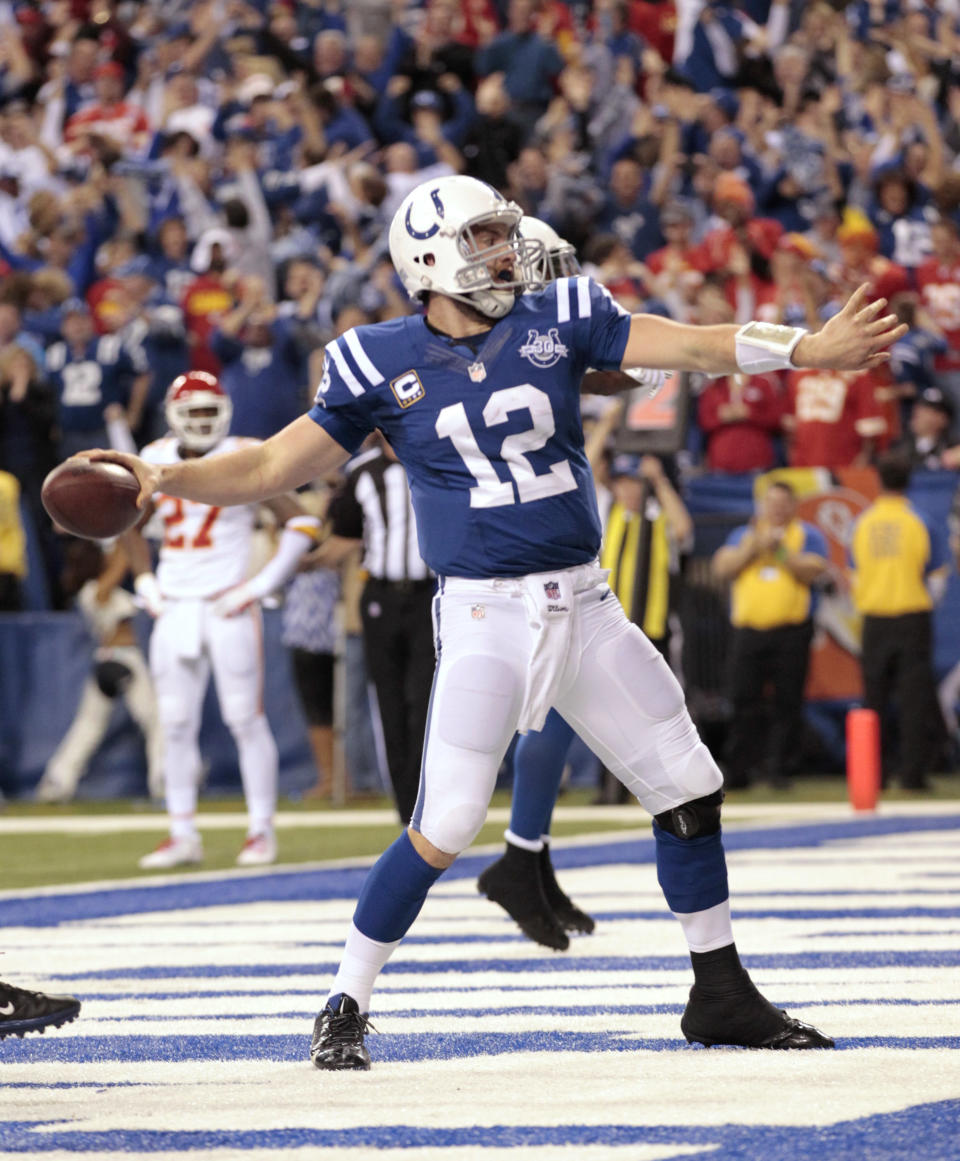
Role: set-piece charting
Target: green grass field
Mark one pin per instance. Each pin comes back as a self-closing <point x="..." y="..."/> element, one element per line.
<point x="41" y="856"/>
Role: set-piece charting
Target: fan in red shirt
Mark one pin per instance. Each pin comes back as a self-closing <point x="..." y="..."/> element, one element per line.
<point x="110" y="121"/>
<point x="740" y="415"/>
<point x="741" y="250"/>
<point x="833" y="417"/>
<point x="860" y="263"/>
<point x="674" y="276"/>
<point x="938" y="281"/>
<point x="656" y="23"/>
<point x="205" y="299"/>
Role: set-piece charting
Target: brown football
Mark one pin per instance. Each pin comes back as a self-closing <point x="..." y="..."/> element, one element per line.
<point x="95" y="500"/>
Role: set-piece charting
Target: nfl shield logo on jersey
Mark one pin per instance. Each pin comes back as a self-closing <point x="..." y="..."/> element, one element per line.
<point x="477" y="372"/>
<point x="552" y="589"/>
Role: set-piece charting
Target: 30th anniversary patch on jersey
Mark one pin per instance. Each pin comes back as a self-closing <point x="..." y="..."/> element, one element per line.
<point x="544" y="350"/>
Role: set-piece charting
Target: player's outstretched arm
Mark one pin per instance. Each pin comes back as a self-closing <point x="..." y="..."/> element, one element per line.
<point x="299" y="453"/>
<point x="854" y="339"/>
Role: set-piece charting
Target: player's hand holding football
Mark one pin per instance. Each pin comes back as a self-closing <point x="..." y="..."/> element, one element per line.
<point x="148" y="475"/>
<point x="855" y="339"/>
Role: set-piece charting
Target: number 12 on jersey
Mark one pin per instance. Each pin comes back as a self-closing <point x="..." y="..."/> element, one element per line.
<point x="490" y="491"/>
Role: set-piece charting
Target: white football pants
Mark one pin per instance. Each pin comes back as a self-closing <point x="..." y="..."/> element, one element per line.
<point x="189" y="640"/>
<point x="614" y="689"/>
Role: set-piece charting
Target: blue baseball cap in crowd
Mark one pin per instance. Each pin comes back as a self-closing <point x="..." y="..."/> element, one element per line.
<point x="427" y="99"/>
<point x="74" y="306"/>
<point x="937" y="399"/>
<point x="625" y="464"/>
<point x="726" y="100"/>
<point x="139" y="264"/>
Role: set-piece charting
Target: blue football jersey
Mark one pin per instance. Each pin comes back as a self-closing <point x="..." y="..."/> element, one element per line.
<point x="488" y="430"/>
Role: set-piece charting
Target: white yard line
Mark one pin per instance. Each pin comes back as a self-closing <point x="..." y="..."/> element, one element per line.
<point x="774" y="812"/>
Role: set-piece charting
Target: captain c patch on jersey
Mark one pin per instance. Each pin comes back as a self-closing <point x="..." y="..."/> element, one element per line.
<point x="544" y="350"/>
<point x="407" y="388"/>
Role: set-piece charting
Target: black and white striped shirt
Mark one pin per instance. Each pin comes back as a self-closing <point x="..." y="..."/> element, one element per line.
<point x="374" y="504"/>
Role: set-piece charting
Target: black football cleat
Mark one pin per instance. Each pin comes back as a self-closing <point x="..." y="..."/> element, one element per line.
<point x="514" y="883"/>
<point x="568" y="914"/>
<point x="22" y="1011"/>
<point x="338" y="1034"/>
<point x="745" y="1019"/>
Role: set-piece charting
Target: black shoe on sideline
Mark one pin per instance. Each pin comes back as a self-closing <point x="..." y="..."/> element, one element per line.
<point x="747" y="1019"/>
<point x="22" y="1011"/>
<point x="514" y="883"/>
<point x="338" y="1034"/>
<point x="570" y="917"/>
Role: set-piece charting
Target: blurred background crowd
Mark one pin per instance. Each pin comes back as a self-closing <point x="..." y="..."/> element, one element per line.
<point x="207" y="184"/>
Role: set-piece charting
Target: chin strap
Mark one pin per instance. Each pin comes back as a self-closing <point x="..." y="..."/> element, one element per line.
<point x="490" y="303"/>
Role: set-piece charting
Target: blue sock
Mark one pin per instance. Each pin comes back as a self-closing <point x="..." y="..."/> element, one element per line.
<point x="691" y="872"/>
<point x="393" y="892"/>
<point x="538" y="763"/>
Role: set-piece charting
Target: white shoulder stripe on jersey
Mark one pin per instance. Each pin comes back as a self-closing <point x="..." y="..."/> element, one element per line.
<point x="620" y="309"/>
<point x="584" y="306"/>
<point x="374" y="378"/>
<point x="563" y="299"/>
<point x="333" y="350"/>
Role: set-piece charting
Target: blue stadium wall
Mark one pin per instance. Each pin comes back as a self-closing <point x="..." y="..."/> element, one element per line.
<point x="44" y="660"/>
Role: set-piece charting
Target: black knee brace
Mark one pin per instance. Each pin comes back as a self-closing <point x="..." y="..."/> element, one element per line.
<point x="692" y="819"/>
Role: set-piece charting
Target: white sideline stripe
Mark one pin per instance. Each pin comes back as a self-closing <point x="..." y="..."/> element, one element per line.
<point x="771" y="814"/>
<point x="363" y="359"/>
<point x="356" y="387"/>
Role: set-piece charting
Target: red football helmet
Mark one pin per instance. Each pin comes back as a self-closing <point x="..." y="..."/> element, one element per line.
<point x="198" y="410"/>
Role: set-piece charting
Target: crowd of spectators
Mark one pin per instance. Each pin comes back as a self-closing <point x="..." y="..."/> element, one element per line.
<point x="207" y="184"/>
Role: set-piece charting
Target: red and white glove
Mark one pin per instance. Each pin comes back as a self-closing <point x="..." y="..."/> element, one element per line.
<point x="647" y="377"/>
<point x="148" y="597"/>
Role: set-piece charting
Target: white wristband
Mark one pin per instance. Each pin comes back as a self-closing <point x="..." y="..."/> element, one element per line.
<point x="148" y="590"/>
<point x="766" y="347"/>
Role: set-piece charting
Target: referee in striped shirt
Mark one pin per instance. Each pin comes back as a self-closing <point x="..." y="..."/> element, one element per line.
<point x="374" y="505"/>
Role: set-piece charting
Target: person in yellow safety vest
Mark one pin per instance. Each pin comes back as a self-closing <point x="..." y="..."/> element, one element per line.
<point x="13" y="545"/>
<point x="772" y="564"/>
<point x="646" y="530"/>
<point x="898" y="557"/>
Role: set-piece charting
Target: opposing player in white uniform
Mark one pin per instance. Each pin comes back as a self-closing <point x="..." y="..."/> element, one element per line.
<point x="479" y="397"/>
<point x="207" y="618"/>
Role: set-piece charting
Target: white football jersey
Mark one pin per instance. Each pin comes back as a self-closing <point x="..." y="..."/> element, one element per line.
<point x="205" y="550"/>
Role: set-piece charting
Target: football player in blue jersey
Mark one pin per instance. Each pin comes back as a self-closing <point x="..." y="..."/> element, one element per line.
<point x="479" y="398"/>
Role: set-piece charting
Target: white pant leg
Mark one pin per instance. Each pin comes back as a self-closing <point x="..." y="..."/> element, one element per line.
<point x="627" y="705"/>
<point x="69" y="761"/>
<point x="235" y="645"/>
<point x="483" y="643"/>
<point x="179" y="684"/>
